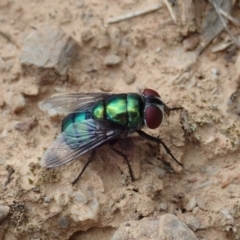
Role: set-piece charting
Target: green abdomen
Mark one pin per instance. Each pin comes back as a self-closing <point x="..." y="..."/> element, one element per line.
<point x="75" y="117"/>
<point x="121" y="109"/>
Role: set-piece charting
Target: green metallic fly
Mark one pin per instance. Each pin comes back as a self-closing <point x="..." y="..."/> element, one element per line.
<point x="95" y="119"/>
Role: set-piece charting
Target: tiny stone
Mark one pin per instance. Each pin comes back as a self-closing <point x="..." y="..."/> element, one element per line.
<point x="158" y="50"/>
<point x="66" y="16"/>
<point x="87" y="35"/>
<point x="195" y="210"/>
<point x="191" y="204"/>
<point x="14" y="100"/>
<point x="212" y="56"/>
<point x="4" y="4"/>
<point x="2" y="160"/>
<point x="63" y="222"/>
<point x="131" y="61"/>
<point x="36" y="189"/>
<point x="190" y="43"/>
<point x="80" y="197"/>
<point x="201" y="203"/>
<point x="30" y="90"/>
<point x="47" y="199"/>
<point x="27" y="125"/>
<point x="162" y="206"/>
<point x="203" y="169"/>
<point x="4" y="211"/>
<point x="112" y="60"/>
<point x="232" y="188"/>
<point x="215" y="71"/>
<point x="102" y="41"/>
<point x="1" y="101"/>
<point x="105" y="87"/>
<point x="159" y="171"/>
<point x="129" y="78"/>
<point x="79" y="4"/>
<point x="170" y="227"/>
<point x="115" y="39"/>
<point x="192" y="222"/>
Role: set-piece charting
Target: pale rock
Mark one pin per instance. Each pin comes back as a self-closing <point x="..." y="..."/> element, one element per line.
<point x="191" y="204"/>
<point x="14" y="100"/>
<point x="164" y="227"/>
<point x="47" y="53"/>
<point x="112" y="60"/>
<point x="4" y="211"/>
<point x="115" y="39"/>
<point x="82" y="212"/>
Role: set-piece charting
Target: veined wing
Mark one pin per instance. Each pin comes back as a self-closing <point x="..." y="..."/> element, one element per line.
<point x="75" y="102"/>
<point x="76" y="140"/>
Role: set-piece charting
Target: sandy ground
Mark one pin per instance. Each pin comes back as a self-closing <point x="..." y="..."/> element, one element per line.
<point x="205" y="137"/>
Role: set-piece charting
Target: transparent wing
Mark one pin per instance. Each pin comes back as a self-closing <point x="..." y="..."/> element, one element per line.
<point x="74" y="102"/>
<point x="76" y="140"/>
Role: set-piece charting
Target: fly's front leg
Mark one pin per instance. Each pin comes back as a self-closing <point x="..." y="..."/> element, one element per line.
<point x="158" y="140"/>
<point x="90" y="158"/>
<point x="111" y="144"/>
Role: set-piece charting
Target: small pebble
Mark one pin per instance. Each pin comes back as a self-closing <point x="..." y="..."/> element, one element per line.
<point x="80" y="4"/>
<point x="170" y="227"/>
<point x="159" y="171"/>
<point x="233" y="188"/>
<point x="63" y="222"/>
<point x="190" y="43"/>
<point x="30" y="90"/>
<point x="212" y="56"/>
<point x="115" y="39"/>
<point x="129" y="78"/>
<point x="4" y="211"/>
<point x="87" y="35"/>
<point x="191" y="204"/>
<point x="162" y="207"/>
<point x="47" y="199"/>
<point x="1" y="100"/>
<point x="80" y="197"/>
<point x="195" y="210"/>
<point x="14" y="100"/>
<point x="227" y="215"/>
<point x="26" y="125"/>
<point x="112" y="60"/>
<point x="130" y="61"/>
<point x="192" y="222"/>
<point x="201" y="203"/>
<point x="66" y="16"/>
<point x="105" y="87"/>
<point x="102" y="41"/>
<point x="2" y="160"/>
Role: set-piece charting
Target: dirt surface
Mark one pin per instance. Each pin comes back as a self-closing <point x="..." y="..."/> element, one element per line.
<point x="150" y="54"/>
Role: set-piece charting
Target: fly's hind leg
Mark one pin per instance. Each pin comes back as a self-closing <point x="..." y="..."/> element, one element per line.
<point x="158" y="140"/>
<point x="124" y="156"/>
<point x="90" y="158"/>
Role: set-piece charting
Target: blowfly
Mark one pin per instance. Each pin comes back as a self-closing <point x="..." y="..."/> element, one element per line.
<point x="95" y="119"/>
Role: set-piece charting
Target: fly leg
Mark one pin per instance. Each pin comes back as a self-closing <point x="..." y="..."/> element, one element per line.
<point x="90" y="158"/>
<point x="124" y="156"/>
<point x="158" y="140"/>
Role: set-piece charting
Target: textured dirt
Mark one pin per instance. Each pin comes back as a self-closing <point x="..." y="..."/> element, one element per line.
<point x="204" y="137"/>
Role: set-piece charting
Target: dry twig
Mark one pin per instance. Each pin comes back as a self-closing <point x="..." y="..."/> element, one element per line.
<point x="134" y="14"/>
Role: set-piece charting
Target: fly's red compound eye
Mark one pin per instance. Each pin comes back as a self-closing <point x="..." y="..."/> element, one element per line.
<point x="153" y="117"/>
<point x="149" y="92"/>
